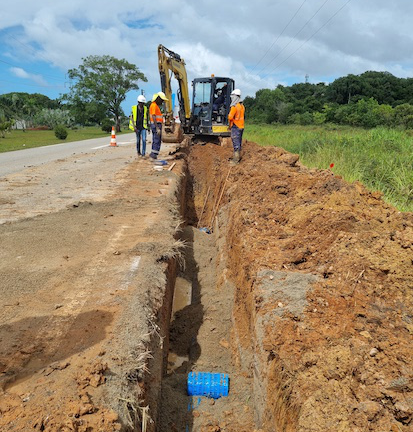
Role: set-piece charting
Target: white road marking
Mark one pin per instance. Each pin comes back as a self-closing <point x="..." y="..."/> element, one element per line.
<point x="95" y="148"/>
<point x="108" y="145"/>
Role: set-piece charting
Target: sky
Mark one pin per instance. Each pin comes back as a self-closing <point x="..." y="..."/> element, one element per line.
<point x="259" y="44"/>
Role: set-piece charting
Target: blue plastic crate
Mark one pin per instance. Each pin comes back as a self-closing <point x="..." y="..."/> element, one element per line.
<point x="212" y="385"/>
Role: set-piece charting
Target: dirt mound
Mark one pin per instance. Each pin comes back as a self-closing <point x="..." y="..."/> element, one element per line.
<point x="324" y="277"/>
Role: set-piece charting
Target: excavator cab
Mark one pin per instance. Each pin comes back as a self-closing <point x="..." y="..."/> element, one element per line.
<point x="211" y="105"/>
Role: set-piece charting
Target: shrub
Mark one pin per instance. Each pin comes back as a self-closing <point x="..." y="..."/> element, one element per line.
<point x="107" y="125"/>
<point x="319" y="118"/>
<point x="60" y="132"/>
<point x="53" y="117"/>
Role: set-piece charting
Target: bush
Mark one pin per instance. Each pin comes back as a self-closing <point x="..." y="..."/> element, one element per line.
<point x="319" y="118"/>
<point x="107" y="125"/>
<point x="60" y="132"/>
<point x="53" y="118"/>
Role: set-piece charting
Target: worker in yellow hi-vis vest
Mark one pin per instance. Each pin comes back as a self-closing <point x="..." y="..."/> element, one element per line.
<point x="138" y="122"/>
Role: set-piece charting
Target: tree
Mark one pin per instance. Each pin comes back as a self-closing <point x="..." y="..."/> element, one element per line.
<point x="104" y="80"/>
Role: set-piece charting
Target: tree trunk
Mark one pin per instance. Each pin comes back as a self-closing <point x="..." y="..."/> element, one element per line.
<point x="117" y="127"/>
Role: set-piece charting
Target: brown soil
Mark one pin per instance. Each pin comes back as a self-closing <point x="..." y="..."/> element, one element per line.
<point x="82" y="287"/>
<point x="302" y="293"/>
<point x="324" y="277"/>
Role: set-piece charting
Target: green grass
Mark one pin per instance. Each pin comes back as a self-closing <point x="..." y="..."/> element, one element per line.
<point x="19" y="140"/>
<point x="382" y="159"/>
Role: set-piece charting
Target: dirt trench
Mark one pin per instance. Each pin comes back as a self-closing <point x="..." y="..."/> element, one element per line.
<point x="312" y="278"/>
<point x="200" y="335"/>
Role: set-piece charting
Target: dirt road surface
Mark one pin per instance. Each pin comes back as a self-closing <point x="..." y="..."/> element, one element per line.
<point x="73" y="282"/>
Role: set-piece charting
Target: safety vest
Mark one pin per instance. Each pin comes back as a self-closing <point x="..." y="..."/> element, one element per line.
<point x="154" y="110"/>
<point x="236" y="115"/>
<point x="134" y="117"/>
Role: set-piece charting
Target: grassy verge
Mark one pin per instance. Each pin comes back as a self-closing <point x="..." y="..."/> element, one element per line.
<point x="19" y="140"/>
<point x="382" y="159"/>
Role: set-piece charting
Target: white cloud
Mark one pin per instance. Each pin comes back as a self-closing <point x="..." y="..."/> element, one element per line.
<point x="21" y="73"/>
<point x="215" y="37"/>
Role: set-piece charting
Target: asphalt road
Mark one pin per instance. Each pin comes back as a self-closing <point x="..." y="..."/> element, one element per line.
<point x="15" y="161"/>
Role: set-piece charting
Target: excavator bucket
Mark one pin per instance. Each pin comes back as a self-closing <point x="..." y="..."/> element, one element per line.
<point x="172" y="134"/>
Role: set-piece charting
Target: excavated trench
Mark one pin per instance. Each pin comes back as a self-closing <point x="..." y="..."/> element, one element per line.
<point x="201" y="333"/>
<point x="210" y="327"/>
<point x="296" y="294"/>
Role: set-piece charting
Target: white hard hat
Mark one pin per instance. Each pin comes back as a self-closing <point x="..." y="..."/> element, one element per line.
<point x="162" y="96"/>
<point x="154" y="97"/>
<point x="236" y="92"/>
<point x="142" y="98"/>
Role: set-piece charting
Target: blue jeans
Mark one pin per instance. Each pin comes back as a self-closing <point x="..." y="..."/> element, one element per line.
<point x="156" y="140"/>
<point x="141" y="148"/>
<point x="236" y="136"/>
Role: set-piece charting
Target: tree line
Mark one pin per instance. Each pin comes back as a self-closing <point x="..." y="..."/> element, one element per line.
<point x="97" y="89"/>
<point x="100" y="84"/>
<point x="367" y="100"/>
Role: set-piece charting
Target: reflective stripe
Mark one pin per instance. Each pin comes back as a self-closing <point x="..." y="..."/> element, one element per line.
<point x="155" y="111"/>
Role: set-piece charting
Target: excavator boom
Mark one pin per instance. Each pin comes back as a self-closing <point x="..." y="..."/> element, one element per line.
<point x="210" y="104"/>
<point x="171" y="63"/>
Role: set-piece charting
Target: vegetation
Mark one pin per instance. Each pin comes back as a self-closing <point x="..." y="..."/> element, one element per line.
<point x="101" y="85"/>
<point x="24" y="105"/>
<point x="380" y="158"/>
<point x="60" y="132"/>
<point x="5" y="126"/>
<point x="53" y="117"/>
<point x="107" y="125"/>
<point x="18" y="140"/>
<point x="367" y="100"/>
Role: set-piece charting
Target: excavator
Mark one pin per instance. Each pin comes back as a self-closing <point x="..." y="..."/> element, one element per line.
<point x="208" y="116"/>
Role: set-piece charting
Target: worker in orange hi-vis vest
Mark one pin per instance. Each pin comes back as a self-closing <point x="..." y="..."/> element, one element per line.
<point x="156" y="123"/>
<point x="236" y="118"/>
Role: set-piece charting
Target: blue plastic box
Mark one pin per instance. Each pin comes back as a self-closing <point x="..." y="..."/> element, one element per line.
<point x="212" y="385"/>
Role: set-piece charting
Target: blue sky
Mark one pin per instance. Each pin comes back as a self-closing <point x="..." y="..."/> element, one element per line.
<point x="260" y="44"/>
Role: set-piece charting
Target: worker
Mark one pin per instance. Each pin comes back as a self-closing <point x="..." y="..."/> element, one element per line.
<point x="236" y="124"/>
<point x="220" y="99"/>
<point x="139" y="123"/>
<point x="156" y="123"/>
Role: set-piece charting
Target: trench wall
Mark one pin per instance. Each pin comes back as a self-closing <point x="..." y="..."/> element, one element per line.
<point x="272" y="408"/>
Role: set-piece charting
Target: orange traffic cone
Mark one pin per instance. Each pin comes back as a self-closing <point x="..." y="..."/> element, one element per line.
<point x="113" y="139"/>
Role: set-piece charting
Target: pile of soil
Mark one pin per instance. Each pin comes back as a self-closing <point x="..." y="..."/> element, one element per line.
<point x="324" y="278"/>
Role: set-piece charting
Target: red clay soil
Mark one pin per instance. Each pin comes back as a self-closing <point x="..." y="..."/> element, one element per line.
<point x="343" y="362"/>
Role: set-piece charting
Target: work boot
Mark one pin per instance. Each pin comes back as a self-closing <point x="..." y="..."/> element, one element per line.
<point x="236" y="158"/>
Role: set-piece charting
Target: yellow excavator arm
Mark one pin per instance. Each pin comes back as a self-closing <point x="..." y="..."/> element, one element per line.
<point x="171" y="63"/>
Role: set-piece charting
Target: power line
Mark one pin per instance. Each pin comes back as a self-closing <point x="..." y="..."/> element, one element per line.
<point x="299" y="31"/>
<point x="339" y="10"/>
<point x="30" y="70"/>
<point x="37" y="53"/>
<point x="32" y="85"/>
<point x="278" y="37"/>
